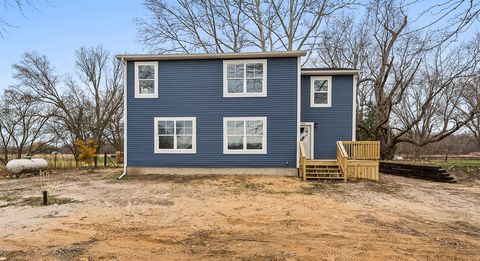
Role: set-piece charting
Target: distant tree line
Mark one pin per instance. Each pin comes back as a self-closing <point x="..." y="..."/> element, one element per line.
<point x="458" y="145"/>
<point x="45" y="111"/>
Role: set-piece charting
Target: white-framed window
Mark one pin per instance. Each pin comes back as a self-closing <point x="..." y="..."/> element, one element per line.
<point x="321" y="91"/>
<point x="244" y="78"/>
<point x="146" y="79"/>
<point x="175" y="134"/>
<point x="245" y="135"/>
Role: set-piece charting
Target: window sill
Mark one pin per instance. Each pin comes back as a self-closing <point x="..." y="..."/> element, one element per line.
<point x="242" y="95"/>
<point x="158" y="151"/>
<point x="245" y="152"/>
<point x="146" y="96"/>
<point x="320" y="105"/>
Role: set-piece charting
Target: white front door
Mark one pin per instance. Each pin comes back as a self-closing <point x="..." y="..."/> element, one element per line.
<point x="306" y="130"/>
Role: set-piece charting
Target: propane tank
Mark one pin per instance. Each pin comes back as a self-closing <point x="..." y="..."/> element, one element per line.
<point x="18" y="166"/>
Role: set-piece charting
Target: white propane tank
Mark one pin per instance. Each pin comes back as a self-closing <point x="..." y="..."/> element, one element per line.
<point x="18" y="166"/>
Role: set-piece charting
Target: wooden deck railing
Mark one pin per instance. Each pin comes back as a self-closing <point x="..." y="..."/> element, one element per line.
<point x="361" y="159"/>
<point x="303" y="161"/>
<point x="362" y="150"/>
<point x="342" y="159"/>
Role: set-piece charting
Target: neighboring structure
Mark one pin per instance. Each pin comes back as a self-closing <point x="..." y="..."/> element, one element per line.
<point x="233" y="113"/>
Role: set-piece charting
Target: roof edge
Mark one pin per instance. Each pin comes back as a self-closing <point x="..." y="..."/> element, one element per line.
<point x="204" y="56"/>
<point x="331" y="72"/>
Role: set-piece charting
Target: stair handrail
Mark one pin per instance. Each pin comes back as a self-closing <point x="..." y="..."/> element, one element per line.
<point x="342" y="159"/>
<point x="303" y="160"/>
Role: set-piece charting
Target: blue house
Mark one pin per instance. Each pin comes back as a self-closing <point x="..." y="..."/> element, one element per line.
<point x="233" y="113"/>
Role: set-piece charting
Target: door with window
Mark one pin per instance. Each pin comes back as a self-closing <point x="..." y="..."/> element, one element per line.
<point x="306" y="131"/>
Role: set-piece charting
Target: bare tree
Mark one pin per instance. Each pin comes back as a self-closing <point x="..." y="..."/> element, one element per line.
<point x="22" y="124"/>
<point x="37" y="74"/>
<point x="410" y="80"/>
<point x="472" y="96"/>
<point x="114" y="131"/>
<point x="217" y="26"/>
<point x="451" y="17"/>
<point x="82" y="110"/>
<point x="105" y="87"/>
<point x="20" y="5"/>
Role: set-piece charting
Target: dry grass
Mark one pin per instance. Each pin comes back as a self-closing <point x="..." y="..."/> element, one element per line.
<point x="67" y="162"/>
<point x="51" y="199"/>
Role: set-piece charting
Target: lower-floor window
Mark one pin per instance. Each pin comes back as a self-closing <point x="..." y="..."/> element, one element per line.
<point x="245" y="135"/>
<point x="175" y="135"/>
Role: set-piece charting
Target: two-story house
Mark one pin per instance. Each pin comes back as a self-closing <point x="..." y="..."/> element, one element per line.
<point x="233" y="113"/>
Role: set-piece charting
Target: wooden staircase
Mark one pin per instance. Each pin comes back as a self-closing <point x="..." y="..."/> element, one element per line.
<point x="355" y="160"/>
<point x="322" y="170"/>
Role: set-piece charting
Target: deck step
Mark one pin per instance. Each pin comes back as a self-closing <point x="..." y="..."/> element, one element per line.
<point x="322" y="163"/>
<point x="323" y="170"/>
<point x="324" y="175"/>
<point x="324" y="178"/>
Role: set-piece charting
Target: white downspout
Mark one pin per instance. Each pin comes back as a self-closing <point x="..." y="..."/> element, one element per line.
<point x="124" y="120"/>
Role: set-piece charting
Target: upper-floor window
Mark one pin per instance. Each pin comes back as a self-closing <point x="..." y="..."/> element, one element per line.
<point x="244" y="78"/>
<point x="245" y="135"/>
<point x="321" y="91"/>
<point x="175" y="135"/>
<point x="146" y="79"/>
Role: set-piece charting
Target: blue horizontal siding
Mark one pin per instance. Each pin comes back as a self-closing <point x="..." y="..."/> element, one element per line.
<point x="335" y="122"/>
<point x="194" y="88"/>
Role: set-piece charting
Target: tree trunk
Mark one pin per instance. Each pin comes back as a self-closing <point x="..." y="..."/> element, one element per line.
<point x="387" y="147"/>
<point x="387" y="151"/>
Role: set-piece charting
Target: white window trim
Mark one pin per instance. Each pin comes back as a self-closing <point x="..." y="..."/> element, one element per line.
<point x="329" y="89"/>
<point x="244" y="94"/>
<point x="193" y="150"/>
<point x="244" y="151"/>
<point x="137" y="81"/>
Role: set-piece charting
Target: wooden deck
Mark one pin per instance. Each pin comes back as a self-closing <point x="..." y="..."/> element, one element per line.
<point x="355" y="160"/>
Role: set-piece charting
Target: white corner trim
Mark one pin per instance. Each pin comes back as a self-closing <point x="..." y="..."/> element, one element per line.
<point x="245" y="150"/>
<point x="354" y="108"/>
<point x="299" y="100"/>
<point x="193" y="150"/>
<point x="226" y="94"/>
<point x="137" y="84"/>
<point x="329" y="91"/>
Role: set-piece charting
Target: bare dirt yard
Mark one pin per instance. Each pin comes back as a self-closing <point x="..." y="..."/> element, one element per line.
<point x="96" y="217"/>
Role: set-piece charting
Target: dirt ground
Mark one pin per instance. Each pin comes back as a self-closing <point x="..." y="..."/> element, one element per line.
<point x="97" y="217"/>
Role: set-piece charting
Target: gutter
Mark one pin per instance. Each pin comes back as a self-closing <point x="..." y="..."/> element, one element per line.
<point x="331" y="72"/>
<point x="205" y="56"/>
